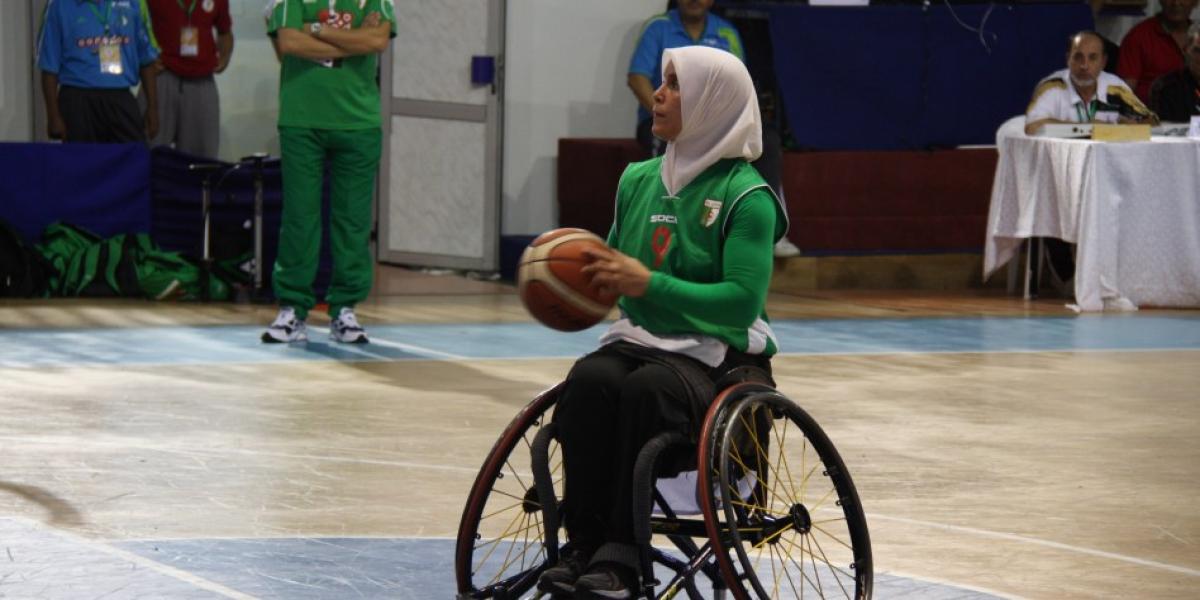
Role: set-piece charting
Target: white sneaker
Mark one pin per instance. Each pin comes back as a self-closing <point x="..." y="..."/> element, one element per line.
<point x="286" y="328"/>
<point x="784" y="248"/>
<point x="345" y="328"/>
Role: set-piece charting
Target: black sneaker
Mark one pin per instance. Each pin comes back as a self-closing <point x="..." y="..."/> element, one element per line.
<point x="606" y="581"/>
<point x="559" y="580"/>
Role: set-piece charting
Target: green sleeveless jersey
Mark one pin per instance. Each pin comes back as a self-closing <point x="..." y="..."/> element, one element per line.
<point x="709" y="250"/>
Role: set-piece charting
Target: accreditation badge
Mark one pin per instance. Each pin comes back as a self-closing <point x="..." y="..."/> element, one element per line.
<point x="110" y="57"/>
<point x="189" y="41"/>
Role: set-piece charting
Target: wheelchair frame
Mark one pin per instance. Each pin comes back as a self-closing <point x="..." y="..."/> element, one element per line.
<point x="737" y="525"/>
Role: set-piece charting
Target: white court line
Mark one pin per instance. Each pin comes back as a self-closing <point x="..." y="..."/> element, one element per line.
<point x="142" y="561"/>
<point x="1040" y="542"/>
<point x="417" y="349"/>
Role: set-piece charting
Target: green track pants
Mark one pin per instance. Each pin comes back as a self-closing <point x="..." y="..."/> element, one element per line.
<point x="353" y="157"/>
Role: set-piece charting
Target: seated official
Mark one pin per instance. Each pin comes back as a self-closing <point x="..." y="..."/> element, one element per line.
<point x="1152" y="48"/>
<point x="1083" y="92"/>
<point x="1176" y="95"/>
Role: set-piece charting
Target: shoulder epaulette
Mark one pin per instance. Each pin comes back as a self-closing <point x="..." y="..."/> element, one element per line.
<point x="1045" y="86"/>
<point x="1128" y="99"/>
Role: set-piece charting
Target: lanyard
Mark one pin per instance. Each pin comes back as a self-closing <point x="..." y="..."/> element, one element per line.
<point x="1089" y="114"/>
<point x="107" y="14"/>
<point x="191" y="7"/>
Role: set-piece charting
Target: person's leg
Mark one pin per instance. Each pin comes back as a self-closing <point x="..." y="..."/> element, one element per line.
<point x="122" y="119"/>
<point x="770" y="166"/>
<point x="199" y="120"/>
<point x="76" y="107"/>
<point x="770" y="162"/>
<point x="353" y="164"/>
<point x="303" y="165"/>
<point x="652" y="399"/>
<point x="167" y="85"/>
<point x="586" y="417"/>
<point x="1060" y="257"/>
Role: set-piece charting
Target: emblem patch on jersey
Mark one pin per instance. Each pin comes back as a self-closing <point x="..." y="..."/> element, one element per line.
<point x="711" y="212"/>
<point x="208" y="5"/>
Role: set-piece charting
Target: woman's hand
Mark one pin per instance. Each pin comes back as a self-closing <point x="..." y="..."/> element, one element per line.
<point x="616" y="273"/>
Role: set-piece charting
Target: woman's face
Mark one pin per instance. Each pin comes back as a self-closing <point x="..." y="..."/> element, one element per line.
<point x="668" y="117"/>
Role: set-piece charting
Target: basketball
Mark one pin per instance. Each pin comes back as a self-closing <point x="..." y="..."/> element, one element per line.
<point x="552" y="286"/>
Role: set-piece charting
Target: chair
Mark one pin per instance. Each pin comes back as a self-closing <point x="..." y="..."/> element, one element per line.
<point x="776" y="512"/>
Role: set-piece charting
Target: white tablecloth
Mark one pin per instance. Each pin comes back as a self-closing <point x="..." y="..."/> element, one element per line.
<point x="1133" y="209"/>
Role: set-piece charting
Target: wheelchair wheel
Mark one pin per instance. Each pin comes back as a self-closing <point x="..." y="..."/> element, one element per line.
<point x="779" y="505"/>
<point x="499" y="551"/>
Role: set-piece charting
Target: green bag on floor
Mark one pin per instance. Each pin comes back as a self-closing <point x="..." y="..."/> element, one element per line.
<point x="165" y="275"/>
<point x="127" y="265"/>
<point x="61" y="242"/>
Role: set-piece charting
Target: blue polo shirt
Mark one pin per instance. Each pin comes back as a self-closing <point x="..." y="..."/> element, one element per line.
<point x="666" y="31"/>
<point x="73" y="31"/>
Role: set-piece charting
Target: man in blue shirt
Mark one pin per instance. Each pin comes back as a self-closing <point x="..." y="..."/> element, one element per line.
<point x="91" y="52"/>
<point x="689" y="25"/>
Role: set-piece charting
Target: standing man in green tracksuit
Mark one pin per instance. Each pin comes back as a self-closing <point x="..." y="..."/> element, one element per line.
<point x="329" y="110"/>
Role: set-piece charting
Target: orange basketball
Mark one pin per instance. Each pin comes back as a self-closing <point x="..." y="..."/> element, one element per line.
<point x="553" y="288"/>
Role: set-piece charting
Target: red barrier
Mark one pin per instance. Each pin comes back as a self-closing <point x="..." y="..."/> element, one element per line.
<point x="854" y="202"/>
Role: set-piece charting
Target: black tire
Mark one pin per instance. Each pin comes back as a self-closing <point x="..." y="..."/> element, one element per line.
<point x="800" y="531"/>
<point x="499" y="551"/>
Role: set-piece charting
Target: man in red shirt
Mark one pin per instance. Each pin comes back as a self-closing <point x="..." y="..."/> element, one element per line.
<point x="1154" y="47"/>
<point x="188" y="104"/>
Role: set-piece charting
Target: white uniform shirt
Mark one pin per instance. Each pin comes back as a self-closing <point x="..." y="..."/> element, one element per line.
<point x="1055" y="98"/>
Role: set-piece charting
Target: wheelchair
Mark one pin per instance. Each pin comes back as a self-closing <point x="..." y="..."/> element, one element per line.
<point x="773" y="511"/>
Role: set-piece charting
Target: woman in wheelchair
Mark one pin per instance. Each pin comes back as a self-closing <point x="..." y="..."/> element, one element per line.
<point x="691" y="257"/>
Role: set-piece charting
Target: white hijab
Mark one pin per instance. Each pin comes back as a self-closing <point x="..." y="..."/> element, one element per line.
<point x="719" y="113"/>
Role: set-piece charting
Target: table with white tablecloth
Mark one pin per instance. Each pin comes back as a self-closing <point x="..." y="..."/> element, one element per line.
<point x="1132" y="209"/>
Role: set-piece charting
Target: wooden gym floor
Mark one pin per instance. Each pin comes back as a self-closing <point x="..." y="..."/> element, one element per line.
<point x="1001" y="447"/>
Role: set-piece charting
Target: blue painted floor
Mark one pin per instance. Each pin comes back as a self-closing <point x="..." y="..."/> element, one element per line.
<point x="45" y="564"/>
<point x="240" y="344"/>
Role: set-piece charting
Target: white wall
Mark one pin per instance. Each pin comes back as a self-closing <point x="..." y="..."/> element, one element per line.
<point x="16" y="74"/>
<point x="249" y="87"/>
<point x="566" y="65"/>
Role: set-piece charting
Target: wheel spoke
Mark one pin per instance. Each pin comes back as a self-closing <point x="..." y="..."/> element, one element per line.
<point x="832" y="567"/>
<point x="796" y="477"/>
<point x="495" y="543"/>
